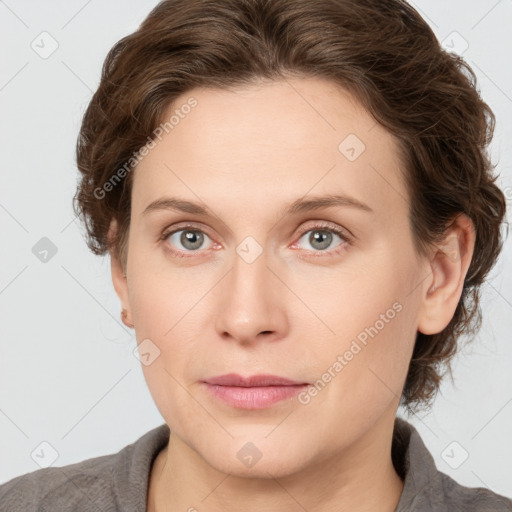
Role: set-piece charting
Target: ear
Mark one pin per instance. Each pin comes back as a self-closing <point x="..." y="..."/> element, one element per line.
<point x="449" y="265"/>
<point x="119" y="279"/>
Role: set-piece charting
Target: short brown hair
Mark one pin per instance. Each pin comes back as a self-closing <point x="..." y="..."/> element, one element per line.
<point x="381" y="51"/>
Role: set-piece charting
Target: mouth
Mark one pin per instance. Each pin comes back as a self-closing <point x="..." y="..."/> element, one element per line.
<point x="256" y="392"/>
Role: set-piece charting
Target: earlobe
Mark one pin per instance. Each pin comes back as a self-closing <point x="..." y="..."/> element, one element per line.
<point x="119" y="279"/>
<point x="448" y="266"/>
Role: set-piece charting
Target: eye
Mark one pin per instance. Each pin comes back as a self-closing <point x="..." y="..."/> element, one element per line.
<point x="190" y="239"/>
<point x="321" y="238"/>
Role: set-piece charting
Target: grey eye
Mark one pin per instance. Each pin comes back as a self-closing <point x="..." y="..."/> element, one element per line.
<point x="319" y="239"/>
<point x="190" y="239"/>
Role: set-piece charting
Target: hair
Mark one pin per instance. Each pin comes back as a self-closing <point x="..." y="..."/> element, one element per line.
<point x="381" y="51"/>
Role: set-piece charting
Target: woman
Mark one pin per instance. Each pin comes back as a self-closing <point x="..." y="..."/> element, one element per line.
<point x="300" y="211"/>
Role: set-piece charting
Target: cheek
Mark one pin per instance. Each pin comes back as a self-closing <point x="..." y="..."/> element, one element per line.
<point x="163" y="311"/>
<point x="371" y="314"/>
<point x="162" y="293"/>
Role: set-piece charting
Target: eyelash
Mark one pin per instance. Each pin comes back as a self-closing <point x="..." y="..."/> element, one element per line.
<point x="325" y="226"/>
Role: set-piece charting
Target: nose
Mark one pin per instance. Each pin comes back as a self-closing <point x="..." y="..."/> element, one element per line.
<point x="251" y="306"/>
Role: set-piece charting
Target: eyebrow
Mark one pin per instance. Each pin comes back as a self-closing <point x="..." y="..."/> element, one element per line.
<point x="298" y="206"/>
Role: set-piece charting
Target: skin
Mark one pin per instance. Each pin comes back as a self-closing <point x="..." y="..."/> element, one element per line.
<point x="247" y="154"/>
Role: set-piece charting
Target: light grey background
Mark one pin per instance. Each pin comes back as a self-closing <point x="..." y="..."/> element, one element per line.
<point x="68" y="376"/>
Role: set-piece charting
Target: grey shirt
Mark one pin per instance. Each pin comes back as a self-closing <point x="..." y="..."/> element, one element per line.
<point x="119" y="482"/>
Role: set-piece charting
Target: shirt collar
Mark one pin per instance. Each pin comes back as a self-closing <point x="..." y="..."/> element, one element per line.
<point x="415" y="465"/>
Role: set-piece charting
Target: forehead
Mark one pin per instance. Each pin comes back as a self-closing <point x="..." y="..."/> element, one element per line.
<point x="273" y="141"/>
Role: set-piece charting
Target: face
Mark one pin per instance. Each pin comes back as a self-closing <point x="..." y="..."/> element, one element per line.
<point x="327" y="294"/>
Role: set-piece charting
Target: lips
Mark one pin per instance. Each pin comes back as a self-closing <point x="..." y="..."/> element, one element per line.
<point x="256" y="392"/>
<point x="263" y="380"/>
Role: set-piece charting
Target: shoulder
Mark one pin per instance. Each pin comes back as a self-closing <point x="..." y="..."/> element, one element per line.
<point x="107" y="483"/>
<point x="457" y="497"/>
<point x="428" y="489"/>
<point x="75" y="487"/>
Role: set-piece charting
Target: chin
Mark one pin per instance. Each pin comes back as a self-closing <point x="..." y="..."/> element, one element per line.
<point x="256" y="456"/>
<point x="265" y="468"/>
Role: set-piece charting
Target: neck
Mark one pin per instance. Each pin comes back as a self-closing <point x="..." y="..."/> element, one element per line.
<point x="361" y="478"/>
